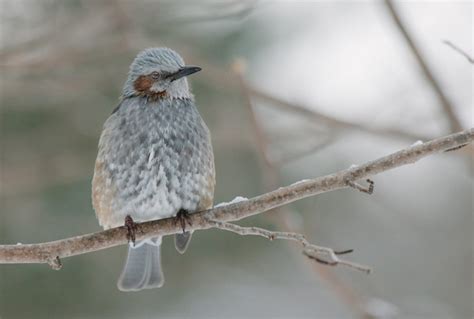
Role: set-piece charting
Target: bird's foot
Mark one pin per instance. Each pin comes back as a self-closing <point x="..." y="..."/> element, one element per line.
<point x="182" y="217"/>
<point x="131" y="229"/>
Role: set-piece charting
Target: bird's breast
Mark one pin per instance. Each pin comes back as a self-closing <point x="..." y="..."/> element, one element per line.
<point x="154" y="159"/>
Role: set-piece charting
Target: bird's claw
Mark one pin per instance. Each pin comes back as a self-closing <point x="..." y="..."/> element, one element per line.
<point x="182" y="217"/>
<point x="131" y="229"/>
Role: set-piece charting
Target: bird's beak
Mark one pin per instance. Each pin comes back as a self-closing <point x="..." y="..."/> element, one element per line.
<point x="184" y="71"/>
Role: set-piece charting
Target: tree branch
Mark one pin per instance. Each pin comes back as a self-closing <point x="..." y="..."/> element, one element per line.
<point x="310" y="250"/>
<point x="51" y="252"/>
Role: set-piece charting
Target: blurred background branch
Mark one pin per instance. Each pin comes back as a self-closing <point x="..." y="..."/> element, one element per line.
<point x="445" y="103"/>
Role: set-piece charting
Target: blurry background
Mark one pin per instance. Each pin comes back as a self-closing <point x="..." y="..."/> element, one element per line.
<point x="317" y="87"/>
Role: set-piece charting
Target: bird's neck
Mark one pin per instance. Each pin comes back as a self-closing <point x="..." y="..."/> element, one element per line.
<point x="153" y="96"/>
<point x="157" y="97"/>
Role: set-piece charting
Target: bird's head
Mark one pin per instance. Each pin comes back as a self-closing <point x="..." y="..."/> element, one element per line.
<point x="158" y="73"/>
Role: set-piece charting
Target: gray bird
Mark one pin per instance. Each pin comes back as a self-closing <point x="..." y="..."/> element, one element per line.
<point x="155" y="160"/>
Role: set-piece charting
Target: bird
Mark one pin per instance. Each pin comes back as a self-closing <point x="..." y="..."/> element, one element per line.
<point x="155" y="160"/>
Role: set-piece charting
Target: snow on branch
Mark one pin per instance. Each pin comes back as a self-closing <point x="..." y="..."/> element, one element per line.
<point x="219" y="217"/>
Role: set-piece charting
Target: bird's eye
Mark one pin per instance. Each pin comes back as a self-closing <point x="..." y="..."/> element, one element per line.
<point x="155" y="75"/>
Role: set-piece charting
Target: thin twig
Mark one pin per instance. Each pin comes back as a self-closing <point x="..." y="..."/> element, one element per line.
<point x="322" y="255"/>
<point x="369" y="189"/>
<point x="457" y="49"/>
<point x="55" y="263"/>
<point x="44" y="252"/>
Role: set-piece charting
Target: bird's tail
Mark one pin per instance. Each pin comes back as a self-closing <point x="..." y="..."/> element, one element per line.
<point x="142" y="269"/>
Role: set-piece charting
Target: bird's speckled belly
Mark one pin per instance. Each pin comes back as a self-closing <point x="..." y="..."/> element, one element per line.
<point x="159" y="160"/>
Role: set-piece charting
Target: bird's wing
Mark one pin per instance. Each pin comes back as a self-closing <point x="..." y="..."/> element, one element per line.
<point x="103" y="191"/>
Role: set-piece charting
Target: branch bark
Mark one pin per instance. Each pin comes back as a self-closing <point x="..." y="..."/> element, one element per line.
<point x="52" y="252"/>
